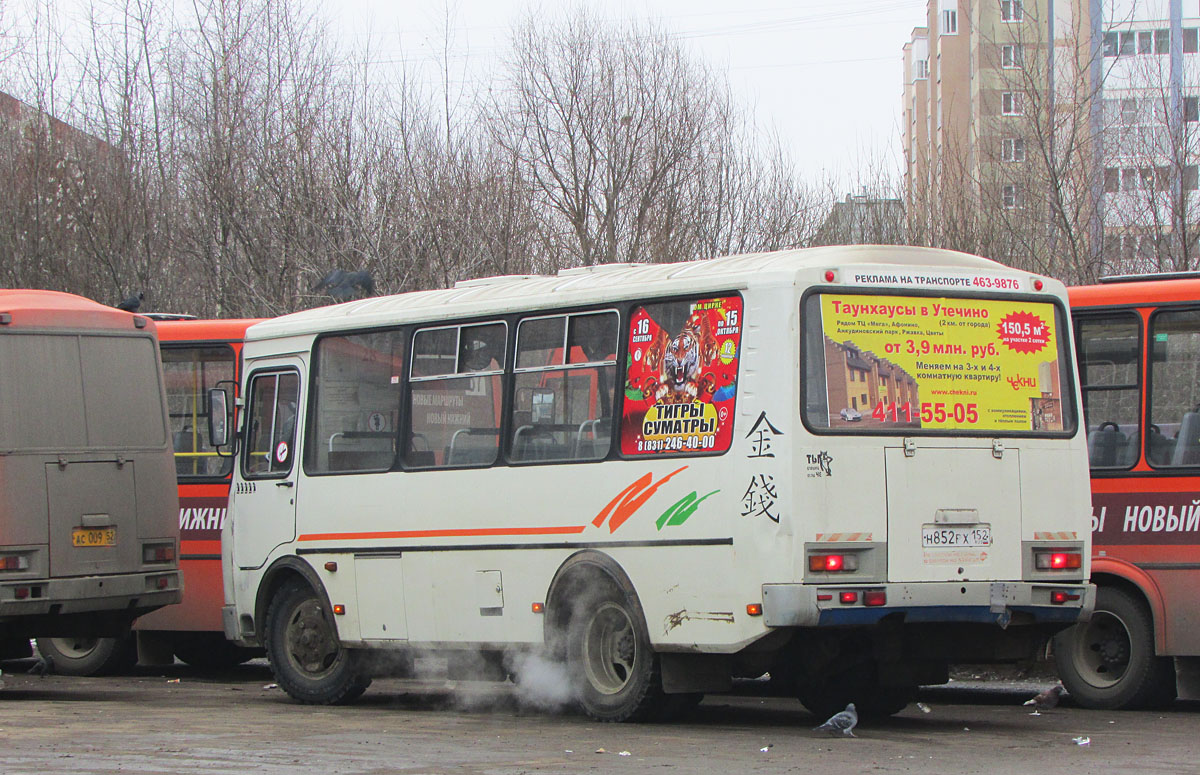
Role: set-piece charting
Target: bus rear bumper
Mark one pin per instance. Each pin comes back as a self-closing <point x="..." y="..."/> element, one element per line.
<point x="82" y="604"/>
<point x="1001" y="603"/>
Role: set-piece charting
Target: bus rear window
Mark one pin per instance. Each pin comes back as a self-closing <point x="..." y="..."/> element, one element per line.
<point x="922" y="364"/>
<point x="75" y="391"/>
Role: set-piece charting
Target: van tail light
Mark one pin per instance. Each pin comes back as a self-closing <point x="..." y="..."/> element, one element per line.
<point x="875" y="597"/>
<point x="1058" y="560"/>
<point x="832" y="563"/>
<point x="158" y="553"/>
<point x="848" y="598"/>
<point x="1060" y="596"/>
<point x="14" y="562"/>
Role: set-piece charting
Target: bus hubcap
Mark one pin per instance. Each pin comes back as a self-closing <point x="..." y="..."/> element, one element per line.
<point x="310" y="643"/>
<point x="609" y="649"/>
<point x="1104" y="649"/>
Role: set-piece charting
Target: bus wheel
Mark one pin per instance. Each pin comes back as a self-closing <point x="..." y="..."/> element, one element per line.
<point x="1109" y="662"/>
<point x="308" y="662"/>
<point x="610" y="659"/>
<point x="88" y="656"/>
<point x="210" y="651"/>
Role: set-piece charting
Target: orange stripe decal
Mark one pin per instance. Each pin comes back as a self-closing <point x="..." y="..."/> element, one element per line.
<point x="456" y="533"/>
<point x="630" y="500"/>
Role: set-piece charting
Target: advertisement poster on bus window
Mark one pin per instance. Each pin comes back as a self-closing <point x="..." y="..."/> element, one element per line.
<point x="941" y="363"/>
<point x="681" y="380"/>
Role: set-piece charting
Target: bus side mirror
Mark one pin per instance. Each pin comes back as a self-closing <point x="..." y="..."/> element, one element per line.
<point x="218" y="418"/>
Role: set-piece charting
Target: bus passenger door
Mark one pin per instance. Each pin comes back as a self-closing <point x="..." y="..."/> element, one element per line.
<point x="264" y="496"/>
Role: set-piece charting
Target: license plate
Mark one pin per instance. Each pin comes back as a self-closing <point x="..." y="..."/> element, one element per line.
<point x="89" y="537"/>
<point x="933" y="536"/>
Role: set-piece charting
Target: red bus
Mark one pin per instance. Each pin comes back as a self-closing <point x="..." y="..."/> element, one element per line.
<point x="197" y="355"/>
<point x="1138" y="343"/>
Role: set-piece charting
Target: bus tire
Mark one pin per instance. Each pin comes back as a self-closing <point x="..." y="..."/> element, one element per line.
<point x="1109" y="662"/>
<point x="210" y="651"/>
<point x="308" y="661"/>
<point x="88" y="656"/>
<point x="609" y="657"/>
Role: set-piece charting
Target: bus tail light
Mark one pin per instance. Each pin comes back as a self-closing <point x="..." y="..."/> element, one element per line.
<point x="832" y="563"/>
<point x="875" y="597"/>
<point x="152" y="553"/>
<point x="1058" y="560"/>
<point x="754" y="609"/>
<point x="1060" y="596"/>
<point x="848" y="598"/>
<point x="14" y="562"/>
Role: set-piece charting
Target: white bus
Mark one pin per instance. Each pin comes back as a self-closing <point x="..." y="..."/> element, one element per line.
<point x="845" y="466"/>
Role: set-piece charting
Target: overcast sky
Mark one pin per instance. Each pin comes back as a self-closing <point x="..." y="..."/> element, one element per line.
<point x="825" y="74"/>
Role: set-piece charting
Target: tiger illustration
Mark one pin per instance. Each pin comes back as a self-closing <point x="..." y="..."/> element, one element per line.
<point x="681" y="362"/>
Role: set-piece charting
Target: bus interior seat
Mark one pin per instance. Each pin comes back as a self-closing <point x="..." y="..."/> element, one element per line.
<point x="462" y="452"/>
<point x="589" y="444"/>
<point x="1106" y="446"/>
<point x="1162" y="445"/>
<point x="1187" y="443"/>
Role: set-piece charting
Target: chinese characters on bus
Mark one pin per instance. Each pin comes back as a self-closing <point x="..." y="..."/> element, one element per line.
<point x="941" y="363"/>
<point x="682" y="377"/>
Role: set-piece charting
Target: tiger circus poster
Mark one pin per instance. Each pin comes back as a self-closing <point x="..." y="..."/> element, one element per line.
<point x="681" y="378"/>
<point x="941" y="363"/>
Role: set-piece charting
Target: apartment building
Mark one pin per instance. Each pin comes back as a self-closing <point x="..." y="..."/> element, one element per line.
<point x="1043" y="107"/>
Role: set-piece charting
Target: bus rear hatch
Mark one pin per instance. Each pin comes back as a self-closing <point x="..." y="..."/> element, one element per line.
<point x="93" y="517"/>
<point x="953" y="513"/>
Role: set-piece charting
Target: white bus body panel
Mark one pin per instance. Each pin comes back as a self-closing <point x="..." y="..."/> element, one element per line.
<point x="695" y="581"/>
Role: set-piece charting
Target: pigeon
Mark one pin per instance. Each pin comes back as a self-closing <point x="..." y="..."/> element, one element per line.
<point x="41" y="668"/>
<point x="1046" y="700"/>
<point x="132" y="302"/>
<point x="341" y="285"/>
<point x="843" y="722"/>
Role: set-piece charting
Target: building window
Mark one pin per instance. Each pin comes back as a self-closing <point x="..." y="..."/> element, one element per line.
<point x="1129" y="112"/>
<point x="1127" y="43"/>
<point x="1010" y="197"/>
<point x="1012" y="149"/>
<point x="921" y="67"/>
<point x="1191" y="108"/>
<point x="1162" y="41"/>
<point x="1011" y="56"/>
<point x="1112" y="180"/>
<point x="1110" y="44"/>
<point x="1191" y="181"/>
<point x="1129" y="179"/>
<point x="949" y="22"/>
<point x="1011" y="11"/>
<point x="1191" y="42"/>
<point x="1145" y="42"/>
<point x="1012" y="103"/>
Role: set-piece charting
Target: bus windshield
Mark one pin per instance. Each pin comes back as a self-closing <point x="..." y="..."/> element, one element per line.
<point x="935" y="364"/>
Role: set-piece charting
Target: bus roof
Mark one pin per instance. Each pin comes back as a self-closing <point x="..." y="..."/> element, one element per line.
<point x="25" y="308"/>
<point x="605" y="282"/>
<point x="1135" y="292"/>
<point x="232" y="330"/>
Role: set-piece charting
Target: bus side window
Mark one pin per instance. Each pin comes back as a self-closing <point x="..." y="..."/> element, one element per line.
<point x="1174" y="392"/>
<point x="565" y="383"/>
<point x="271" y="435"/>
<point x="455" y="389"/>
<point x="356" y="402"/>
<point x="1108" y="370"/>
<point x="190" y="372"/>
